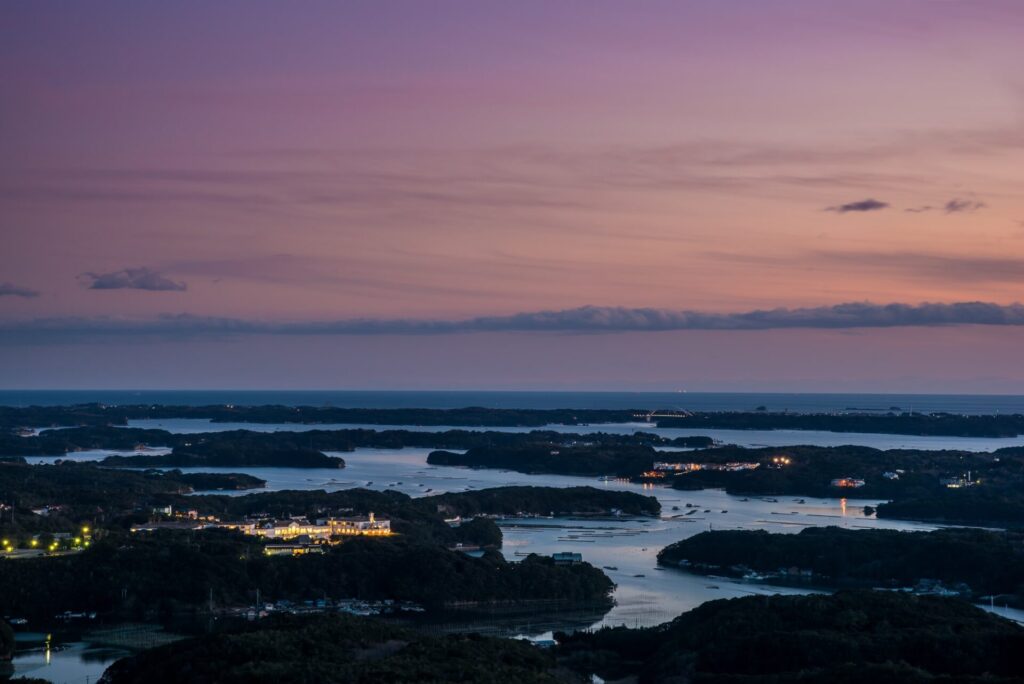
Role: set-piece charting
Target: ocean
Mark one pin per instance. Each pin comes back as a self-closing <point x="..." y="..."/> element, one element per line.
<point x="973" y="404"/>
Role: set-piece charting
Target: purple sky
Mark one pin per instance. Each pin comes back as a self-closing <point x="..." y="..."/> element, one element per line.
<point x="429" y="195"/>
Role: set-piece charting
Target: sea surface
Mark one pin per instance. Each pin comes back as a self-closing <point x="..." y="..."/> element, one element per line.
<point x="692" y="401"/>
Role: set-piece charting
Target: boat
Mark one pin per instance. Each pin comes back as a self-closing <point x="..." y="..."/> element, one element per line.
<point x="640" y="575"/>
<point x="610" y="567"/>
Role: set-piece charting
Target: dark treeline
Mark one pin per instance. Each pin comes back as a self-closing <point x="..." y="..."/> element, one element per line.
<point x="988" y="562"/>
<point x="917" y="493"/>
<point x="998" y="503"/>
<point x="267" y="447"/>
<point x="849" y="637"/>
<point x="75" y="493"/>
<point x="335" y="650"/>
<point x="901" y="423"/>
<point x="146" y="575"/>
<point x="167" y="573"/>
<point x="98" y="415"/>
<point x="912" y="479"/>
<point x="85" y="493"/>
<point x="895" y="422"/>
<point x="6" y="642"/>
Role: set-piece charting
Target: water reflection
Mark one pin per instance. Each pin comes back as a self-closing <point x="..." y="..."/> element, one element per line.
<point x="74" y="663"/>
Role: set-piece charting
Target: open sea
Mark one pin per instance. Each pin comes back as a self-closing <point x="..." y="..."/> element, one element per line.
<point x="693" y="401"/>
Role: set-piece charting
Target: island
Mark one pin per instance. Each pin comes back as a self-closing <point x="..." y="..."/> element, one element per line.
<point x="972" y="563"/>
<point x="336" y="649"/>
<point x="895" y="421"/>
<point x="141" y="545"/>
<point x="224" y="444"/>
<point x="848" y="637"/>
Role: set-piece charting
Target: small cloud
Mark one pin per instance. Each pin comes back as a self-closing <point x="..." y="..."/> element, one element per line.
<point x="12" y="290"/>
<point x="863" y="205"/>
<point x="920" y="210"/>
<point x="133" y="279"/>
<point x="957" y="206"/>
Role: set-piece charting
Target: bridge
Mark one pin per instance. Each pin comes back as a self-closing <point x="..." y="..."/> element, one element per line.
<point x="662" y="413"/>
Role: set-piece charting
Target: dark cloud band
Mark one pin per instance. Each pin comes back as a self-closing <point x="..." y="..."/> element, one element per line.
<point x="588" y="319"/>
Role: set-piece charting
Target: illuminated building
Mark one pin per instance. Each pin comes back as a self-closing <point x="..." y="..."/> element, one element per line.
<point x="691" y="467"/>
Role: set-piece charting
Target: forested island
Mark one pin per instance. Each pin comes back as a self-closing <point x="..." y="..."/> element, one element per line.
<point x="6" y="642"/>
<point x="971" y="562"/>
<point x="336" y="650"/>
<point x="622" y="461"/>
<point x="896" y="421"/>
<point x="71" y="494"/>
<point x="179" y="568"/>
<point x="160" y="575"/>
<point x="473" y="416"/>
<point x="227" y="456"/>
<point x="849" y="637"/>
<point x="941" y="486"/>
<point x="269" y="448"/>
<point x="845" y="638"/>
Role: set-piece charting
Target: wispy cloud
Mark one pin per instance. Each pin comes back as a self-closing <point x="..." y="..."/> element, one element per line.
<point x="133" y="279"/>
<point x="12" y="290"/>
<point x="588" y="319"/>
<point x="861" y="206"/>
<point x="956" y="206"/>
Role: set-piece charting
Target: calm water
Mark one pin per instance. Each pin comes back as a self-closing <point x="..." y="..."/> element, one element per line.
<point x="707" y="401"/>
<point x="74" y="663"/>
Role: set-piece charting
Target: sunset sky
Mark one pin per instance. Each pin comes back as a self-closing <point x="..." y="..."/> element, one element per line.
<point x="513" y="195"/>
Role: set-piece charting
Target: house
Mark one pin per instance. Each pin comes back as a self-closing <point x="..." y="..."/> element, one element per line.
<point x="299" y="546"/>
<point x="567" y="558"/>
<point x="958" y="481"/>
<point x="847" y="483"/>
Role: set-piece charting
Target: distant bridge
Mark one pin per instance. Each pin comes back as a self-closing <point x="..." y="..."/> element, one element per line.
<point x="662" y="413"/>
